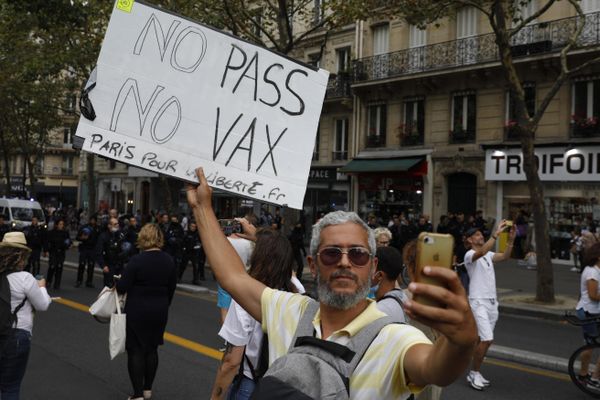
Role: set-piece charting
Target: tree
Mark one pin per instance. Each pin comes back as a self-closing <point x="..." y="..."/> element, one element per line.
<point x="506" y="20"/>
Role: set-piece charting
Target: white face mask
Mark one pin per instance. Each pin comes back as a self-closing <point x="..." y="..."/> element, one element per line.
<point x="114" y="228"/>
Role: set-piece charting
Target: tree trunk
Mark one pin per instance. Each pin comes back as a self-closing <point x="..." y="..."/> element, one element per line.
<point x="91" y="184"/>
<point x="6" y="159"/>
<point x="545" y="274"/>
<point x="168" y="203"/>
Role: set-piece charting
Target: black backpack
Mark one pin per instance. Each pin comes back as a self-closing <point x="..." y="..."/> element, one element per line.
<point x="8" y="318"/>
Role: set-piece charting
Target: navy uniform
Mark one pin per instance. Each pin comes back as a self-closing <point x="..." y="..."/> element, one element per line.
<point x="87" y="237"/>
<point x="112" y="252"/>
<point x="36" y="237"/>
<point x="194" y="253"/>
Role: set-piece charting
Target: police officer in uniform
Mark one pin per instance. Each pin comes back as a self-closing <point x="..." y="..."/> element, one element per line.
<point x="87" y="237"/>
<point x="173" y="239"/>
<point x="111" y="251"/>
<point x="193" y="252"/>
<point x="131" y="234"/>
<point x="57" y="244"/>
<point x="35" y="235"/>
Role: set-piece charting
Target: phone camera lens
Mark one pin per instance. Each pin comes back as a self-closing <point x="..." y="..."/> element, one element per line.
<point x="427" y="240"/>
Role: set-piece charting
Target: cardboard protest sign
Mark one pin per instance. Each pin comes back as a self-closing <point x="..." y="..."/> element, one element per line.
<point x="172" y="95"/>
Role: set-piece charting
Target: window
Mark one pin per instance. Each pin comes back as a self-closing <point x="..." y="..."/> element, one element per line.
<point x="585" y="108"/>
<point x="340" y="151"/>
<point x="463" y="117"/>
<point x="416" y="54"/>
<point x="314" y="59"/>
<point x="590" y="6"/>
<point x="39" y="166"/>
<point x="466" y="22"/>
<point x="257" y="23"/>
<point x="67" y="168"/>
<point x="67" y="136"/>
<point x="318" y="12"/>
<point x="377" y="123"/>
<point x="70" y="102"/>
<point x="523" y="11"/>
<point x="381" y="37"/>
<point x="511" y="110"/>
<point x="315" y="156"/>
<point x="112" y="164"/>
<point x="413" y="128"/>
<point x="343" y="59"/>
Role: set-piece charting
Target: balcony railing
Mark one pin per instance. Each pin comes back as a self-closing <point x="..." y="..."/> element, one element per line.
<point x="338" y="86"/>
<point x="585" y="130"/>
<point x="339" y="155"/>
<point x="375" y="141"/>
<point x="413" y="140"/>
<point x="533" y="39"/>
<point x="458" y="136"/>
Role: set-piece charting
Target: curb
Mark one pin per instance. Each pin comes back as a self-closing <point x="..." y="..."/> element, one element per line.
<point x="530" y="358"/>
<point x="523" y="310"/>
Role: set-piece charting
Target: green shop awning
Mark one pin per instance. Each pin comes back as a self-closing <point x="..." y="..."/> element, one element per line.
<point x="380" y="165"/>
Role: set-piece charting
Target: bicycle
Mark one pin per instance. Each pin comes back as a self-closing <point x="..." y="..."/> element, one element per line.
<point x="591" y="351"/>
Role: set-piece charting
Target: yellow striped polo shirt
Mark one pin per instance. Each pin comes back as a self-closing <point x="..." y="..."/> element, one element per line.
<point x="380" y="374"/>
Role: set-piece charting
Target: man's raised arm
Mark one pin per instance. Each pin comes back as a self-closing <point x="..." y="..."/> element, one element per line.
<point x="224" y="261"/>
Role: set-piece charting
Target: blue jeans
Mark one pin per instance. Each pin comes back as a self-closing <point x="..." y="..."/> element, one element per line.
<point x="244" y="391"/>
<point x="13" y="364"/>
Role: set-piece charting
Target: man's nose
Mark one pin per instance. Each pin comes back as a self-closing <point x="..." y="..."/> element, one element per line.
<point x="345" y="261"/>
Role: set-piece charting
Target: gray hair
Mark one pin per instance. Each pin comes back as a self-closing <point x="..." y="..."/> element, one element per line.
<point x="339" y="218"/>
<point x="381" y="231"/>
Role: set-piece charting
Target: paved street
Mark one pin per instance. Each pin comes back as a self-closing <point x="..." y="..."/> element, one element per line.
<point x="70" y="360"/>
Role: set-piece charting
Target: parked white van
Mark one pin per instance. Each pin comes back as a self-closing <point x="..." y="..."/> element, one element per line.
<point x="18" y="212"/>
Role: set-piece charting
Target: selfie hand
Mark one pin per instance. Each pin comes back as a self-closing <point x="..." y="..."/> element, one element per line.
<point x="248" y="230"/>
<point x="454" y="319"/>
<point x="200" y="195"/>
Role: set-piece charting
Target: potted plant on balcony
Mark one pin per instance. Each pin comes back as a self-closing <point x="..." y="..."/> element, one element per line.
<point x="584" y="126"/>
<point x="459" y="135"/>
<point x="409" y="133"/>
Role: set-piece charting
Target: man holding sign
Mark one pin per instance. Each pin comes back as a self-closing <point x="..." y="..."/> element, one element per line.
<point x="400" y="359"/>
<point x="171" y="94"/>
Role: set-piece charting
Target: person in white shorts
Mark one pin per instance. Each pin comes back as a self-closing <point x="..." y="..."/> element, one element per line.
<point x="479" y="261"/>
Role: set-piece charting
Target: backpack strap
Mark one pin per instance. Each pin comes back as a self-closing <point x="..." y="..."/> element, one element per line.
<point x="390" y="295"/>
<point x="363" y="339"/>
<point x="305" y="326"/>
<point x="14" y="313"/>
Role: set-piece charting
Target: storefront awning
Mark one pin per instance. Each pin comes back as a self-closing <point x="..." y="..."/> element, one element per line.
<point x="381" y="165"/>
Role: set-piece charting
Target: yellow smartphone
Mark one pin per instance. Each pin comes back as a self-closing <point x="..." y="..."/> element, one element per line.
<point x="434" y="250"/>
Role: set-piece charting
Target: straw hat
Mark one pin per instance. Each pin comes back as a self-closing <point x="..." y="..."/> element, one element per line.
<point x="15" y="239"/>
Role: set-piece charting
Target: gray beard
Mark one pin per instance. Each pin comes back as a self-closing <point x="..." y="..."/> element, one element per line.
<point x="342" y="301"/>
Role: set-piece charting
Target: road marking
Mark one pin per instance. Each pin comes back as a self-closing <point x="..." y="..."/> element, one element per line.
<point x="531" y="370"/>
<point x="169" y="337"/>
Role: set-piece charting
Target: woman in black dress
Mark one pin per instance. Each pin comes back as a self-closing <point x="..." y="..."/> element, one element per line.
<point x="149" y="281"/>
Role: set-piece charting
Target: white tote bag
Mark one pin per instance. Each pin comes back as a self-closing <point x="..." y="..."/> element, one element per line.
<point x="117" y="332"/>
<point x="104" y="306"/>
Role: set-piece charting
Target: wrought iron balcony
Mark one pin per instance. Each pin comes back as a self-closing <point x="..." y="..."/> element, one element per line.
<point x="458" y="136"/>
<point x="585" y="130"/>
<point x="375" y="141"/>
<point x="338" y="86"/>
<point x="339" y="155"/>
<point x="533" y="39"/>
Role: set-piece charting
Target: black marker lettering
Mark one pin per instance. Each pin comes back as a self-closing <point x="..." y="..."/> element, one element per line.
<point x="161" y="40"/>
<point x="253" y="60"/>
<point x="252" y="190"/>
<point x="215" y="150"/>
<point x="287" y="85"/>
<point x="172" y="101"/>
<point x="248" y="149"/>
<point x="105" y="146"/>
<point x="233" y="67"/>
<point x="96" y="138"/>
<point x="131" y="86"/>
<point x="270" y="82"/>
<point x="129" y="154"/>
<point x="270" y="152"/>
<point x="190" y="30"/>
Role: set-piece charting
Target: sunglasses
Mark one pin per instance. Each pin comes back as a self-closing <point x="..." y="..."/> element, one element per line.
<point x="358" y="256"/>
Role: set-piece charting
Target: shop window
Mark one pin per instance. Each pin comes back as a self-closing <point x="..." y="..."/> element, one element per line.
<point x="511" y="110"/>
<point x="565" y="216"/>
<point x="315" y="156"/>
<point x="585" y="109"/>
<point x="377" y="123"/>
<point x="340" y="151"/>
<point x="463" y="117"/>
<point x="412" y="130"/>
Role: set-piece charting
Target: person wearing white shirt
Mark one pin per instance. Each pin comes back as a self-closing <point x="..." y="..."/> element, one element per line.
<point x="26" y="296"/>
<point x="479" y="261"/>
<point x="272" y="263"/>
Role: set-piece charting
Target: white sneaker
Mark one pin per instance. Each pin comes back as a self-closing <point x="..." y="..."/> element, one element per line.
<point x="573" y="269"/>
<point x="485" y="382"/>
<point x="474" y="381"/>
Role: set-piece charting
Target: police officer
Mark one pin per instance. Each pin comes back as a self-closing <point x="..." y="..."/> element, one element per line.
<point x="87" y="237"/>
<point x="131" y="234"/>
<point x="192" y="251"/>
<point x="173" y="238"/>
<point x="57" y="244"/>
<point x="36" y="236"/>
<point x="111" y="251"/>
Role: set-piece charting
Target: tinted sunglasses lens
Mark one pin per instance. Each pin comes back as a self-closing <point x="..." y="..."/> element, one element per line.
<point x="358" y="256"/>
<point x="330" y="255"/>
